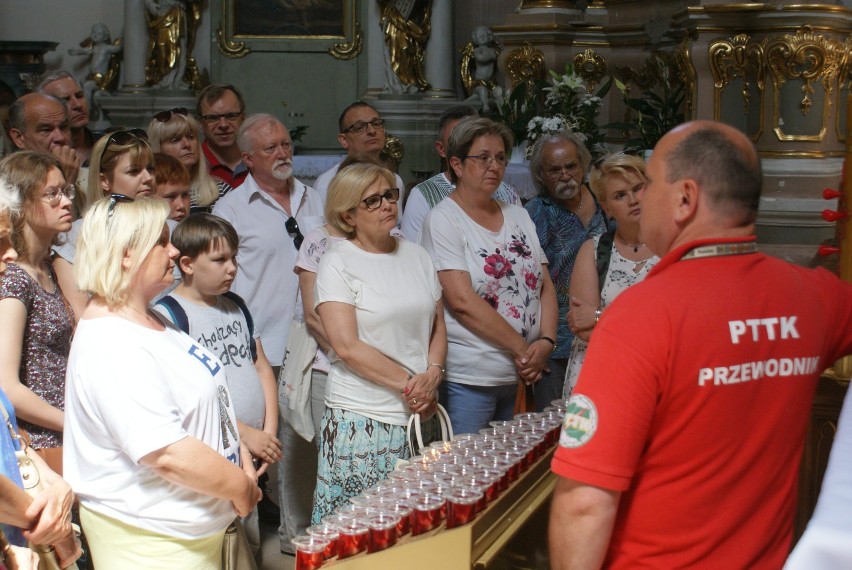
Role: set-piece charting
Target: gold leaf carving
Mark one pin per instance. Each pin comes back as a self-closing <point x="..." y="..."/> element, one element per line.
<point x="525" y="63"/>
<point x="591" y="67"/>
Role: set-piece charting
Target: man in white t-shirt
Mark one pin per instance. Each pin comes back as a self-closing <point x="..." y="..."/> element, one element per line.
<point x="362" y="132"/>
<point x="428" y="193"/>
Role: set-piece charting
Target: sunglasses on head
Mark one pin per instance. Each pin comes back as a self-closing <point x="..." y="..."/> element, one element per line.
<point x="292" y="227"/>
<point x="122" y="138"/>
<point x="115" y="199"/>
<point x="165" y="116"/>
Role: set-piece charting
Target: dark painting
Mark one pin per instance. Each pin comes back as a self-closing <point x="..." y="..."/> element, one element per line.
<point x="289" y="18"/>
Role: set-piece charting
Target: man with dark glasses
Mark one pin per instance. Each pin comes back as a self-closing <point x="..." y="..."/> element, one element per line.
<point x="362" y="132"/>
<point x="221" y="110"/>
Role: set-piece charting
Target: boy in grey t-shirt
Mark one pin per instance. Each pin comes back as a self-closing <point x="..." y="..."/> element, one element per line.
<point x="203" y="307"/>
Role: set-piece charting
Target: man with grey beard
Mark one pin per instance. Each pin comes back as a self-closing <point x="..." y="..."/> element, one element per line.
<point x="566" y="213"/>
<point x="271" y="212"/>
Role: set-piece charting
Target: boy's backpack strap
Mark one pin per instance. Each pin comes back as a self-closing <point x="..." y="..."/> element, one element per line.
<point x="176" y="312"/>
<point x="244" y="308"/>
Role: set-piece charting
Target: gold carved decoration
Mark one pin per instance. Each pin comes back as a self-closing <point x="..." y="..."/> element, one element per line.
<point x="525" y="64"/>
<point x="686" y="73"/>
<point x="349" y="50"/>
<point x="591" y="67"/>
<point x="231" y="48"/>
<point x="738" y="58"/>
<point x="808" y="58"/>
<point x="393" y="151"/>
<point x="844" y="87"/>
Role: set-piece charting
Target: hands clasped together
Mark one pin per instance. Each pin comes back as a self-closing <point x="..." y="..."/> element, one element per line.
<point x="421" y="390"/>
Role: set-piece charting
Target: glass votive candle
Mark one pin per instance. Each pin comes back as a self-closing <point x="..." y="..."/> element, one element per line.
<point x="441" y="446"/>
<point x="399" y="508"/>
<point x="384" y="531"/>
<point x="489" y="479"/>
<point x="561" y="404"/>
<point x="329" y="532"/>
<point x="310" y="551"/>
<point x="426" y="513"/>
<point x="462" y="506"/>
<point x="352" y="538"/>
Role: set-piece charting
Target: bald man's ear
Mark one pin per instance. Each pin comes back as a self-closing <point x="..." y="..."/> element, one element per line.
<point x="687" y="201"/>
<point x="17" y="138"/>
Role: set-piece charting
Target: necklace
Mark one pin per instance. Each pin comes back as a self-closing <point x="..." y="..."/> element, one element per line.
<point x="635" y="246"/>
<point x="579" y="208"/>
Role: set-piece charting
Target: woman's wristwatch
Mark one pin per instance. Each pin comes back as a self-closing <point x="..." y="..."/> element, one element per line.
<point x="550" y="340"/>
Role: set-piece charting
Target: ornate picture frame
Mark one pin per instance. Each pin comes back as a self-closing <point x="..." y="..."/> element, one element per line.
<point x="290" y="26"/>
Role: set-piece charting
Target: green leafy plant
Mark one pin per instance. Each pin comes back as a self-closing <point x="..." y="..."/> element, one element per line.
<point x="654" y="113"/>
<point x="296" y="131"/>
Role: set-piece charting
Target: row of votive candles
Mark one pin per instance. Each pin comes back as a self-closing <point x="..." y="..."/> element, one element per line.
<point x="451" y="482"/>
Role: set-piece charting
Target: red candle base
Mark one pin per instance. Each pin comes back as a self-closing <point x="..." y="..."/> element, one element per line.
<point x="423" y="521"/>
<point x="460" y="513"/>
<point x="351" y="544"/>
<point x="381" y="538"/>
<point x="308" y="560"/>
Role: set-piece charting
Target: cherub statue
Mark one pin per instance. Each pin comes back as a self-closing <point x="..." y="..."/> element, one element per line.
<point x="104" y="65"/>
<point x="478" y="67"/>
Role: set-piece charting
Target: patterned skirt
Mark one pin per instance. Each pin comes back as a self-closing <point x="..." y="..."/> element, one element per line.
<point x="355" y="453"/>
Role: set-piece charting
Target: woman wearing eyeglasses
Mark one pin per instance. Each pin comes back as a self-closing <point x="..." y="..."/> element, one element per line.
<point x="152" y="447"/>
<point x="379" y="303"/>
<point x="37" y="320"/>
<point x="501" y="307"/>
<point x="124" y="163"/>
<point x="175" y="133"/>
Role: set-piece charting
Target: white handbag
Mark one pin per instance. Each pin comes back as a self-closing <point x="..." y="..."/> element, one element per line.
<point x="414" y="430"/>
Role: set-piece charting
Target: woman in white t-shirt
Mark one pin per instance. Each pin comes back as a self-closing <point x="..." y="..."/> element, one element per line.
<point x="379" y="301"/>
<point x="151" y="444"/>
<point x="501" y="305"/>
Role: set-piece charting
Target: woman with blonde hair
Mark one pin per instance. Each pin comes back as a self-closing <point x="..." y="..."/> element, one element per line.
<point x="151" y="442"/>
<point x="609" y="263"/>
<point x="379" y="303"/>
<point x="122" y="163"/>
<point x="175" y="132"/>
<point x="37" y="321"/>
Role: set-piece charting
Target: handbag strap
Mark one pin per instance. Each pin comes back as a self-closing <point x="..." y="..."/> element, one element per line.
<point x="16" y="437"/>
<point x="414" y="423"/>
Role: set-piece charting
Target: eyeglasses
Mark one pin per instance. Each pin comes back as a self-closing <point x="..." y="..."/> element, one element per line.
<point x="361" y="126"/>
<point x="54" y="195"/>
<point x="292" y="227"/>
<point x="115" y="199"/>
<point x="375" y="201"/>
<point x="122" y="138"/>
<point x="558" y="171"/>
<point x="486" y="160"/>
<point x="165" y="116"/>
<point x="214" y="119"/>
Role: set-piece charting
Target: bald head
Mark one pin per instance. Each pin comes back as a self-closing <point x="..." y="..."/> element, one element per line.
<point x="39" y="122"/>
<point x="722" y="161"/>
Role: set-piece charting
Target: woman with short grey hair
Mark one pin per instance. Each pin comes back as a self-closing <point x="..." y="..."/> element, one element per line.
<point x="500" y="305"/>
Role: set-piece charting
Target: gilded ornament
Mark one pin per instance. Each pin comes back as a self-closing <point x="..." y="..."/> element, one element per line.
<point x="406" y="35"/>
<point x="349" y="50"/>
<point x="809" y="58"/>
<point x="525" y="64"/>
<point x="737" y="58"/>
<point x="591" y="67"/>
<point x="231" y="48"/>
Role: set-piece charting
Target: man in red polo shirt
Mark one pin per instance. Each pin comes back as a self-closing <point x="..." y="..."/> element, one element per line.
<point x="221" y="110"/>
<point x="681" y="444"/>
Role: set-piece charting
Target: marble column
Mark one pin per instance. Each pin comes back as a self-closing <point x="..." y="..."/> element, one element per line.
<point x="135" y="45"/>
<point x="439" y="65"/>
